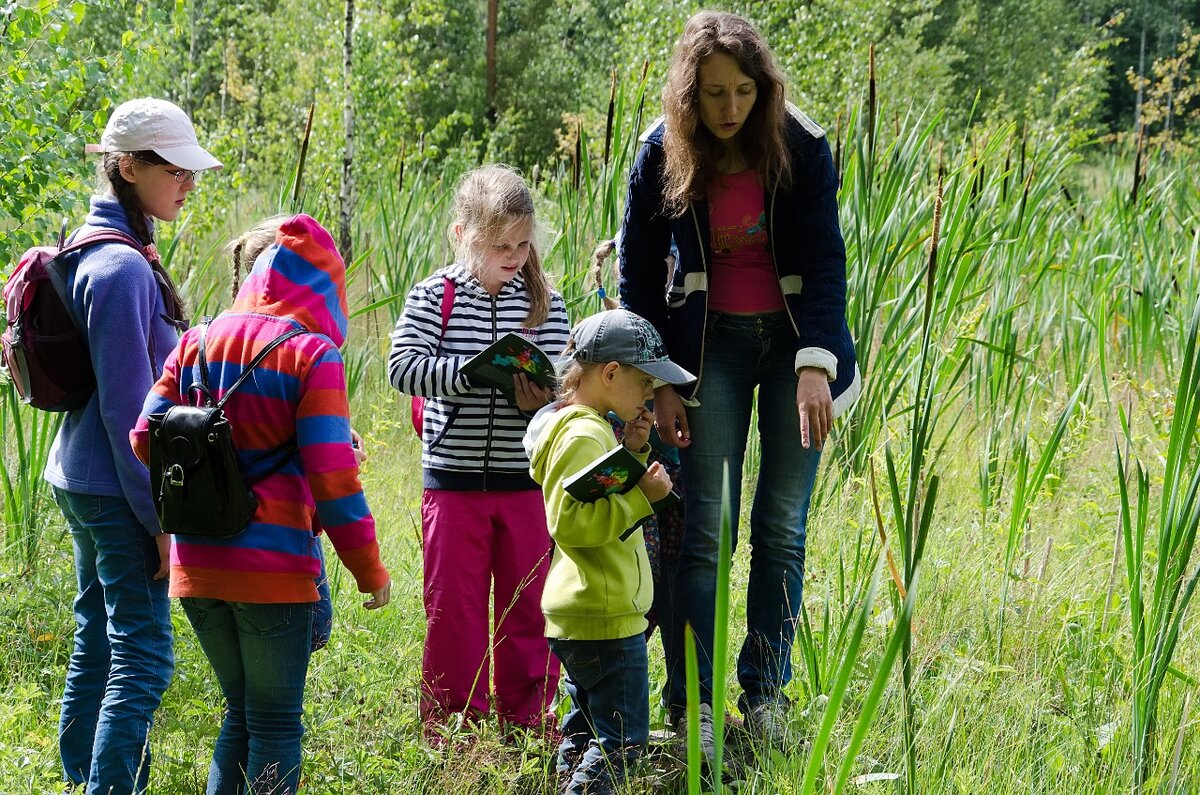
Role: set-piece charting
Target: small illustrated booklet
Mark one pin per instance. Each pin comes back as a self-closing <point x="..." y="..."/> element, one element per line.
<point x="616" y="472"/>
<point x="496" y="364"/>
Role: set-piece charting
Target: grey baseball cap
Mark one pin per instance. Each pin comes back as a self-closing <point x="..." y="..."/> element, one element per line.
<point x="619" y="335"/>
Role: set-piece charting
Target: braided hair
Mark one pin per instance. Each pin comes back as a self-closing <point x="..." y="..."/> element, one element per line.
<point x="110" y="172"/>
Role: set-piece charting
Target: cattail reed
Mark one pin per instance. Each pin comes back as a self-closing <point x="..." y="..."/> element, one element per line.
<point x="303" y="154"/>
<point x="1025" y="194"/>
<point x="608" y="121"/>
<point x="931" y="269"/>
<point x="837" y="149"/>
<point x="637" y="114"/>
<point x="577" y="158"/>
<point x="1137" y="164"/>
<point x="1004" y="176"/>
<point x="400" y="168"/>
<point x="871" y="104"/>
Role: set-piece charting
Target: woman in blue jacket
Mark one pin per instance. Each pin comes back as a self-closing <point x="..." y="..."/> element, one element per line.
<point x="744" y="184"/>
<point x="122" y="658"/>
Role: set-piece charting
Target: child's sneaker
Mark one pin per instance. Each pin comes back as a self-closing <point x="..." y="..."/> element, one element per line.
<point x="708" y="748"/>
<point x="593" y="776"/>
<point x="767" y="723"/>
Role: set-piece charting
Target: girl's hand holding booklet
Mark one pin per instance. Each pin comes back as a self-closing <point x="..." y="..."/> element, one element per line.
<point x="496" y="364"/>
<point x="616" y="472"/>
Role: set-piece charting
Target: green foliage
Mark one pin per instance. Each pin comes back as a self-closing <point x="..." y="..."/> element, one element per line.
<point x="54" y="90"/>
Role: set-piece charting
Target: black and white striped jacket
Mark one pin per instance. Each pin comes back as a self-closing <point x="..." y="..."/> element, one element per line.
<point x="471" y="440"/>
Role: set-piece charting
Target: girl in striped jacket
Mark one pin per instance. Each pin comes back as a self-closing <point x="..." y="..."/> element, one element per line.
<point x="251" y="598"/>
<point x="482" y="516"/>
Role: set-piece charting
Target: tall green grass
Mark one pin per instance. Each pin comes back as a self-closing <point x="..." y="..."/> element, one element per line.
<point x="1159" y="599"/>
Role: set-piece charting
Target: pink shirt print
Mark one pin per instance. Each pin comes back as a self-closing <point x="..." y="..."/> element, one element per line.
<point x="743" y="279"/>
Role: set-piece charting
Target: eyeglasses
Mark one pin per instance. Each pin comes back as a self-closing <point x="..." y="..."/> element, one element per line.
<point x="183" y="175"/>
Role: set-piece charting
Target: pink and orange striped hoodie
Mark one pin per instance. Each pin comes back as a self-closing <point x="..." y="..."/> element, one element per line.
<point x="298" y="391"/>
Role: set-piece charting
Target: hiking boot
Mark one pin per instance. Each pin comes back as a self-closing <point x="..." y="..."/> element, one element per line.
<point x="708" y="748"/>
<point x="767" y="723"/>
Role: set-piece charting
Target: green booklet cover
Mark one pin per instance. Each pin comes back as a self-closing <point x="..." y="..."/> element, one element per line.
<point x="616" y="472"/>
<point x="496" y="364"/>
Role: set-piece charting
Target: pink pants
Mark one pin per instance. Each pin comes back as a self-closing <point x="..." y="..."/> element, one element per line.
<point x="475" y="541"/>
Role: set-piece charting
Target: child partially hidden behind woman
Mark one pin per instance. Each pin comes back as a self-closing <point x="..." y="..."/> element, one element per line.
<point x="599" y="587"/>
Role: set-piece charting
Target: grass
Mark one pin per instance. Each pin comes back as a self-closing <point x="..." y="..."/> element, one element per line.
<point x="1049" y="646"/>
<point x="1032" y="724"/>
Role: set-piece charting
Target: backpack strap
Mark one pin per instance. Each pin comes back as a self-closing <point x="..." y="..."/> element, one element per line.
<point x="288" y="447"/>
<point x="204" y="387"/>
<point x="98" y="236"/>
<point x="58" y="279"/>
<point x="448" y="288"/>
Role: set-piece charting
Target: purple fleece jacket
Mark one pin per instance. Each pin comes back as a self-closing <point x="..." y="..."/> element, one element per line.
<point x="116" y="294"/>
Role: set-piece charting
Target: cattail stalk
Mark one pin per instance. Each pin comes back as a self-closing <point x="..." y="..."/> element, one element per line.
<point x="608" y="121"/>
<point x="303" y="154"/>
<point x="871" y="104"/>
<point x="1137" y="164"/>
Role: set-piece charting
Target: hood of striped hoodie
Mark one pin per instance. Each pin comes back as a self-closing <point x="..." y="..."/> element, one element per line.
<point x="300" y="276"/>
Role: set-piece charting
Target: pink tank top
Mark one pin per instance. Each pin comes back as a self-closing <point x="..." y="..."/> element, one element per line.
<point x="743" y="278"/>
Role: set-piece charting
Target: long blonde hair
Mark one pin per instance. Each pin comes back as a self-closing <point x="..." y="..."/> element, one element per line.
<point x="487" y="202"/>
<point x="691" y="150"/>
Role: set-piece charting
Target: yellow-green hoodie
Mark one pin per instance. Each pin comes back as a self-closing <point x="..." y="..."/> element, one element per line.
<point x="599" y="587"/>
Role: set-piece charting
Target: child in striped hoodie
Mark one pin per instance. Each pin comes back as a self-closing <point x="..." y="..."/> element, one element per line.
<point x="483" y="521"/>
<point x="250" y="598"/>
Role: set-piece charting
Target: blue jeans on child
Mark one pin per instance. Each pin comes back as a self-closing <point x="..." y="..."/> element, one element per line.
<point x="260" y="654"/>
<point x="743" y="352"/>
<point x="123" y="659"/>
<point x="322" y="620"/>
<point x="608" y="725"/>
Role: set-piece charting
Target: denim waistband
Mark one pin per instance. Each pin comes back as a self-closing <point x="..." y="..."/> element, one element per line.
<point x="758" y="325"/>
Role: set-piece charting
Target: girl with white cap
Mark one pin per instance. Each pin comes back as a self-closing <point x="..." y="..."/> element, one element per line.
<point x="122" y="659"/>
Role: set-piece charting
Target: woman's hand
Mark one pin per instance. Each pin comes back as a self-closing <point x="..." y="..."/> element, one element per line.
<point x="356" y="443"/>
<point x="529" y="396"/>
<point x="815" y="404"/>
<point x="670" y="418"/>
<point x="637" y="431"/>
<point x="163" y="542"/>
<point x="379" y="598"/>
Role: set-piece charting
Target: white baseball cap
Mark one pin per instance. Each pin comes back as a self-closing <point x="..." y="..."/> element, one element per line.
<point x="158" y="126"/>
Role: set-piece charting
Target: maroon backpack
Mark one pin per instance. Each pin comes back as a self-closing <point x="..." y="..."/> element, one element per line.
<point x="45" y="342"/>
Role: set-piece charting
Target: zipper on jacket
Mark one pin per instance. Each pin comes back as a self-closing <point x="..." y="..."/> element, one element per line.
<point x="775" y="262"/>
<point x="703" y="328"/>
<point x="487" y="449"/>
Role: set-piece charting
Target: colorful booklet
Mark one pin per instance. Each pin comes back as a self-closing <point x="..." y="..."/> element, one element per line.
<point x="496" y="364"/>
<point x="616" y="472"/>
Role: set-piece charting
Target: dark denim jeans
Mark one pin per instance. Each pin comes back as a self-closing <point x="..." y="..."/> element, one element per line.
<point x="609" y="722"/>
<point x="123" y="659"/>
<point x="322" y="620"/>
<point x="741" y="353"/>
<point x="259" y="653"/>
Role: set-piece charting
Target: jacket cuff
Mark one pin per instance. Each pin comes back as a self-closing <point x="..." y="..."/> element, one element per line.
<point x="817" y="357"/>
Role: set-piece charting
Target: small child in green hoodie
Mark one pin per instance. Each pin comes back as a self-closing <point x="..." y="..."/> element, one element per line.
<point x="599" y="587"/>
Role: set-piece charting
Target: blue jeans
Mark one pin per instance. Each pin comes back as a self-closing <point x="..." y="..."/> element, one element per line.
<point x="322" y="620"/>
<point x="741" y="353"/>
<point x="123" y="658"/>
<point x="609" y="721"/>
<point x="259" y="653"/>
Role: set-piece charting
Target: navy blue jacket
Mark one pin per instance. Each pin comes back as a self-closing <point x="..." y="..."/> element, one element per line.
<point x="806" y="245"/>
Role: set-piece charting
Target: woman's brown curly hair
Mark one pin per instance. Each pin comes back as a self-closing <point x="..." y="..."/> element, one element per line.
<point x="692" y="152"/>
